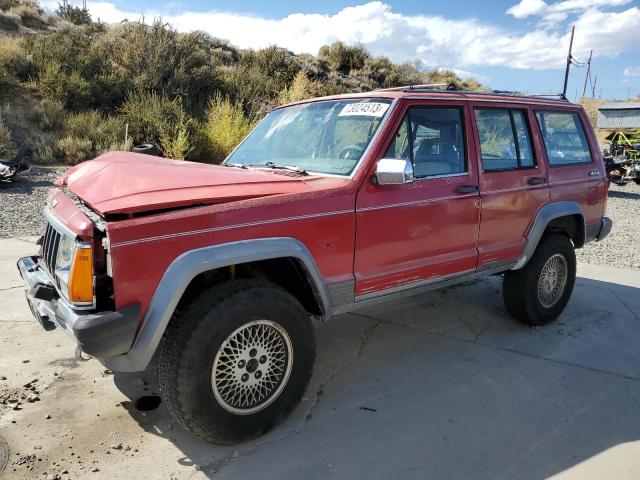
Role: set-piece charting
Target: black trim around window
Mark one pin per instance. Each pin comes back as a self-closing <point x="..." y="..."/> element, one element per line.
<point x="525" y="115"/>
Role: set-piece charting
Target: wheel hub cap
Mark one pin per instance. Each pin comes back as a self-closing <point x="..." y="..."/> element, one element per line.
<point x="552" y="281"/>
<point x="252" y="367"/>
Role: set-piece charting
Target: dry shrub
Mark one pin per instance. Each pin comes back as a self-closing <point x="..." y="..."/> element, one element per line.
<point x="226" y="125"/>
<point x="9" y="22"/>
<point x="72" y="150"/>
<point x="158" y="120"/>
<point x="6" y="142"/>
<point x="31" y="15"/>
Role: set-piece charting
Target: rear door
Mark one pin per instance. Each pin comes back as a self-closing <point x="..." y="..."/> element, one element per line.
<point x="513" y="180"/>
<point x="427" y="229"/>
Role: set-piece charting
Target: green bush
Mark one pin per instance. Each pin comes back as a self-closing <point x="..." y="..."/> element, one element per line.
<point x="344" y="58"/>
<point x="15" y="65"/>
<point x="93" y="133"/>
<point x="155" y="119"/>
<point x="72" y="90"/>
<point x="226" y="125"/>
<point x="7" y="4"/>
<point x="156" y="58"/>
<point x="379" y="72"/>
<point x="260" y="76"/>
<point x="301" y="88"/>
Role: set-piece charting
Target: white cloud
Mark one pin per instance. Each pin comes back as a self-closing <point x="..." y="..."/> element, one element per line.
<point x="554" y="13"/>
<point x="466" y="75"/>
<point x="528" y="7"/>
<point x="632" y="72"/>
<point x="436" y="41"/>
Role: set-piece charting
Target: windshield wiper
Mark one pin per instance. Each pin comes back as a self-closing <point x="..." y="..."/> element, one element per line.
<point x="236" y="165"/>
<point x="289" y="168"/>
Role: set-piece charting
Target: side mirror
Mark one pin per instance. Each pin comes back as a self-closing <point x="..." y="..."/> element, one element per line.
<point x="393" y="171"/>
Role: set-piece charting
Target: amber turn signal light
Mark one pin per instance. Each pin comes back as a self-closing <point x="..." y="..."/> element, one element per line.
<point x="80" y="287"/>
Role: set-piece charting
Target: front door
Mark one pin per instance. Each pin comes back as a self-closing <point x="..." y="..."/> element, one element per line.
<point x="425" y="230"/>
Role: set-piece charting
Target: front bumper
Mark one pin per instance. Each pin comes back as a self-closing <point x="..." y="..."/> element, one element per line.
<point x="102" y="335"/>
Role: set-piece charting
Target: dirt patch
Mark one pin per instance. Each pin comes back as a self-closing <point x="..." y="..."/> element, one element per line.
<point x="4" y="455"/>
<point x="13" y="398"/>
<point x="10" y="398"/>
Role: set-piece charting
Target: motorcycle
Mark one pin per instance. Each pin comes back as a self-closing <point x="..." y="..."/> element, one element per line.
<point x="12" y="169"/>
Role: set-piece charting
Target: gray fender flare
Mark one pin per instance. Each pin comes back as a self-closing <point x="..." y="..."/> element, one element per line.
<point x="546" y="214"/>
<point x="186" y="267"/>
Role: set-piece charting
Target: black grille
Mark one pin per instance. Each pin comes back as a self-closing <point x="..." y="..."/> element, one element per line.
<point x="50" y="244"/>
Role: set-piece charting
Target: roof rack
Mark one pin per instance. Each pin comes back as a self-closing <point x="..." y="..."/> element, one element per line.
<point x="494" y="92"/>
<point x="561" y="96"/>
<point x="451" y="88"/>
<point x="422" y="86"/>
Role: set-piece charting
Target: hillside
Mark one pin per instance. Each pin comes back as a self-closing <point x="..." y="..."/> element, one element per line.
<point x="72" y="88"/>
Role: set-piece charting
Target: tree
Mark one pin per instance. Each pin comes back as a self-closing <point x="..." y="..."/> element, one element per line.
<point x="76" y="15"/>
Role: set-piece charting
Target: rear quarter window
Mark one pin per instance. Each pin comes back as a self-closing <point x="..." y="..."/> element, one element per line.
<point x="564" y="138"/>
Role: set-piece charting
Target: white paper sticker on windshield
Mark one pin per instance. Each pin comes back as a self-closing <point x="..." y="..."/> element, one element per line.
<point x="369" y="109"/>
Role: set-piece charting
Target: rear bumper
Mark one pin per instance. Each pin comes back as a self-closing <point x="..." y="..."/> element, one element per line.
<point x="102" y="335"/>
<point x="605" y="228"/>
<point x="598" y="231"/>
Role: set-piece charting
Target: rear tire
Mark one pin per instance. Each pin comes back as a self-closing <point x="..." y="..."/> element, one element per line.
<point x="236" y="360"/>
<point x="538" y="293"/>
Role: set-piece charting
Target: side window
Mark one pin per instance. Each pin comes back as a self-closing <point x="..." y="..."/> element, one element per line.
<point x="433" y="140"/>
<point x="504" y="139"/>
<point x="564" y="138"/>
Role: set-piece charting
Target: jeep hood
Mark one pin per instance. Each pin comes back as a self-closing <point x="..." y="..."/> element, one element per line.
<point x="124" y="182"/>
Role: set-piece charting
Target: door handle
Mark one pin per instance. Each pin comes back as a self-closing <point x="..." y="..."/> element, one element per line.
<point x="467" y="189"/>
<point x="536" y="180"/>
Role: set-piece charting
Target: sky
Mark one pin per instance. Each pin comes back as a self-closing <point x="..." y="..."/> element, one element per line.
<point x="505" y="44"/>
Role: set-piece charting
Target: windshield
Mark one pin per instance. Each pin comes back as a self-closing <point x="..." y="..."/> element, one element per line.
<point x="325" y="137"/>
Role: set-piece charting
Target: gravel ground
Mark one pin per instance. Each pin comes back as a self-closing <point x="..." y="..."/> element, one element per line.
<point x="622" y="247"/>
<point x="21" y="215"/>
<point x="21" y="202"/>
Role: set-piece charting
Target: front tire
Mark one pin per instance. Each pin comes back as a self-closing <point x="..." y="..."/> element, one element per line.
<point x="538" y="293"/>
<point x="236" y="360"/>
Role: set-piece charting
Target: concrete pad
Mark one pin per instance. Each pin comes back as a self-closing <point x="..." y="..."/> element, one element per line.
<point x="443" y="385"/>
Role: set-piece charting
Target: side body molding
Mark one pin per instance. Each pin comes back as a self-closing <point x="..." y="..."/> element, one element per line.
<point x="546" y="214"/>
<point x="187" y="266"/>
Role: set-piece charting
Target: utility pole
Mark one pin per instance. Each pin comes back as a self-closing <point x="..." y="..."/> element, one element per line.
<point x="569" y="57"/>
<point x="593" y="88"/>
<point x="586" y="77"/>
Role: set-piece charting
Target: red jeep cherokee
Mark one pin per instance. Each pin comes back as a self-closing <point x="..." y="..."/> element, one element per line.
<point x="328" y="205"/>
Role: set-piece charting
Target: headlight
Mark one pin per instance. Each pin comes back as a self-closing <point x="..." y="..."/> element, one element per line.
<point x="74" y="270"/>
<point x="65" y="253"/>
